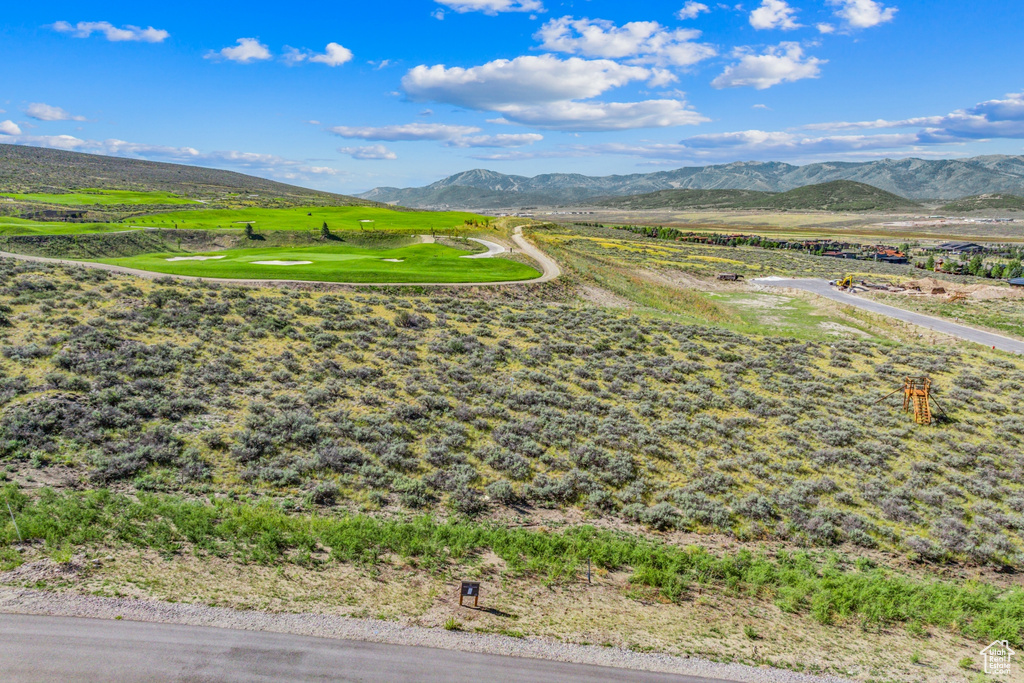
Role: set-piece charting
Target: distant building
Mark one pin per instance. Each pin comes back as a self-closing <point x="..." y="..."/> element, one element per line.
<point x="1017" y="282"/>
<point x="961" y="247"/>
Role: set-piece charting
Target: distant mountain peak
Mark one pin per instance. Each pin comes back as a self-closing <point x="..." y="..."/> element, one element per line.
<point x="910" y="177"/>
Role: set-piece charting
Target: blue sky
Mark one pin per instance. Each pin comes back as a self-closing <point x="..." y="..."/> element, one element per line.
<point x="345" y="96"/>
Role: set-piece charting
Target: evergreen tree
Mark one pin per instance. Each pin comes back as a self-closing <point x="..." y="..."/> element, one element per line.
<point x="976" y="266"/>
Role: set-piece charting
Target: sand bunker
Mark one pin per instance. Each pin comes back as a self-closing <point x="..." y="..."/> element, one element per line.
<point x="194" y="258"/>
<point x="282" y="263"/>
<point x="394" y="260"/>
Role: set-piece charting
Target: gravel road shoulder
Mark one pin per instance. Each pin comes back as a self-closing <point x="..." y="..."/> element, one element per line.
<point x="36" y="602"/>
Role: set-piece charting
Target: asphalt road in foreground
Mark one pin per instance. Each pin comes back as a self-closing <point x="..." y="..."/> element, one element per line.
<point x="822" y="288"/>
<point x="35" y="648"/>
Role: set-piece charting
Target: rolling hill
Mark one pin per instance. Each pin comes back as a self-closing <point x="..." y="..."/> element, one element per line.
<point x="684" y="199"/>
<point x="838" y="195"/>
<point x="985" y="202"/>
<point x="35" y="169"/>
<point x="913" y="178"/>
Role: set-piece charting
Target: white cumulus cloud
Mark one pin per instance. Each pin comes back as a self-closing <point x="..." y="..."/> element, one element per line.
<point x="783" y="63"/>
<point x="248" y="50"/>
<point x="9" y="128"/>
<point x="863" y="13"/>
<point x="774" y="14"/>
<point x="641" y="41"/>
<point x="520" y="81"/>
<point x="491" y="6"/>
<point x="369" y="152"/>
<point x="691" y="10"/>
<point x="334" y="55"/>
<point x="543" y="91"/>
<point x="46" y="112"/>
<point x="84" y="29"/>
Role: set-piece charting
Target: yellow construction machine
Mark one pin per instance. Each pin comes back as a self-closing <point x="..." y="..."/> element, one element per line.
<point x="844" y="284"/>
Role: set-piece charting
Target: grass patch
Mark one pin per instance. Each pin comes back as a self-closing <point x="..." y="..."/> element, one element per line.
<point x="312" y="218"/>
<point x="797" y="582"/>
<point x="335" y="262"/>
<point x="625" y="282"/>
<point x="19" y="226"/>
<point x="94" y="197"/>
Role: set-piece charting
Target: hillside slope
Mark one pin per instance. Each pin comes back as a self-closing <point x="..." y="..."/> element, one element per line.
<point x="985" y="202"/>
<point x="685" y="199"/>
<point x="35" y="169"/>
<point x="838" y="195"/>
<point x="912" y="178"/>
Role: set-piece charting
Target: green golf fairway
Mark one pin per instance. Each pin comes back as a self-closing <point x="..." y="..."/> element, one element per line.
<point x="339" y="218"/>
<point x="18" y="226"/>
<point x="337" y="263"/>
<point x="103" y="197"/>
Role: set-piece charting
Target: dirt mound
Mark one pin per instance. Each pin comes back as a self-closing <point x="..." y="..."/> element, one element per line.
<point x="930" y="285"/>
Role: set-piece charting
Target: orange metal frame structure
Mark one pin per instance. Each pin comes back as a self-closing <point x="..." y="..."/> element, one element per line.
<point x="917" y="395"/>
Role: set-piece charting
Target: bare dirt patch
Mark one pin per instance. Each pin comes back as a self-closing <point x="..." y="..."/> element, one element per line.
<point x="602" y="297"/>
<point x="842" y="330"/>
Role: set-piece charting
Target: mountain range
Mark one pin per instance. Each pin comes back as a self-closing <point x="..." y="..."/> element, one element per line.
<point x="921" y="179"/>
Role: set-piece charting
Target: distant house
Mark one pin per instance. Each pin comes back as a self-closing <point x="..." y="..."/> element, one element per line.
<point x="961" y="247"/>
<point x="1017" y="282"/>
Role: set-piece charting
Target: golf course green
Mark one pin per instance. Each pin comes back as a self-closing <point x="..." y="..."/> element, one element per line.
<point x="338" y="218"/>
<point x="335" y="263"/>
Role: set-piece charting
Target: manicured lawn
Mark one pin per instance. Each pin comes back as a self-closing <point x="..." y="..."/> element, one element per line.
<point x="103" y="197"/>
<point x="338" y="263"/>
<point x="338" y="218"/>
<point x="18" y="226"/>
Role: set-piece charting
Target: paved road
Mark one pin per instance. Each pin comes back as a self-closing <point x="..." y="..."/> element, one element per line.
<point x="822" y="288"/>
<point x="493" y="249"/>
<point x="35" y="648"/>
<point x="549" y="271"/>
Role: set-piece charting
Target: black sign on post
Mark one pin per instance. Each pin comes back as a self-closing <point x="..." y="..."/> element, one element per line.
<point x="470" y="589"/>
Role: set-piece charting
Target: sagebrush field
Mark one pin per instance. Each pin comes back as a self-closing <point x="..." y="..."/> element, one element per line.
<point x="410" y="431"/>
